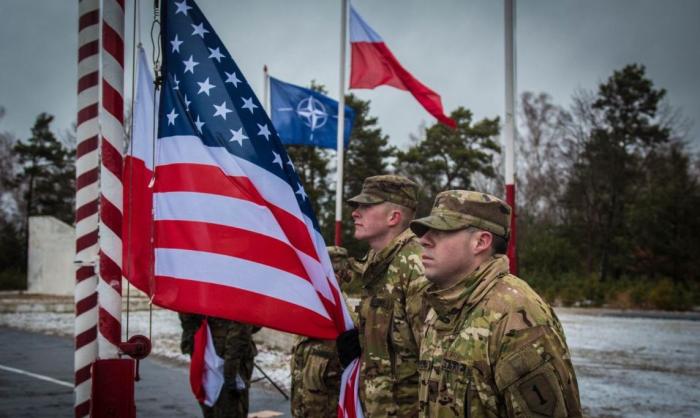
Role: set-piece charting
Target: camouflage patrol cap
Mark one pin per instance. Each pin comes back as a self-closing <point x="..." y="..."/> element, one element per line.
<point x="458" y="209"/>
<point x="387" y="188"/>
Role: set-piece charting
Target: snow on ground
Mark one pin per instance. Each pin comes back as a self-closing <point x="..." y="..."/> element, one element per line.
<point x="626" y="367"/>
<point x="165" y="337"/>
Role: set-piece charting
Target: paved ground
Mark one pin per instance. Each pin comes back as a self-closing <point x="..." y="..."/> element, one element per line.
<point x="163" y="391"/>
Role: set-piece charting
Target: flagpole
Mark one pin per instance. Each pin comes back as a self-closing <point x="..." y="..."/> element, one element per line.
<point x="341" y="126"/>
<point x="266" y="89"/>
<point x="509" y="131"/>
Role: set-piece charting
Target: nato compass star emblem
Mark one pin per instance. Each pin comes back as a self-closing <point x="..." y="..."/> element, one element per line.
<point x="312" y="112"/>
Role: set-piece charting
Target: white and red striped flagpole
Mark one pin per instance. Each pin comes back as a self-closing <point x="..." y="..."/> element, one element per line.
<point x="509" y="130"/>
<point x="111" y="118"/>
<point x="86" y="201"/>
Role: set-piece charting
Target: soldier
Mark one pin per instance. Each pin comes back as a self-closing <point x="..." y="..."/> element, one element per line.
<point x="315" y="366"/>
<point x="233" y="342"/>
<point x="492" y="347"/>
<point x="391" y="310"/>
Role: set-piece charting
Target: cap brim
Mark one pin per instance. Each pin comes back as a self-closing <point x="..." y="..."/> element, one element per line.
<point x="365" y="199"/>
<point x="439" y="222"/>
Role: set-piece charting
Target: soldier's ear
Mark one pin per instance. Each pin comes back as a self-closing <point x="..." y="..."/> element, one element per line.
<point x="483" y="241"/>
<point x="395" y="217"/>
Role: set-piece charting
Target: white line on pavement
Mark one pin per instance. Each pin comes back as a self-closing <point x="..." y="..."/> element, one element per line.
<point x="36" y="376"/>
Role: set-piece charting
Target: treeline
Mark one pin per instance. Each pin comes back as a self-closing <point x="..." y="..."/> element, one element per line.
<point x="607" y="188"/>
<point x="37" y="177"/>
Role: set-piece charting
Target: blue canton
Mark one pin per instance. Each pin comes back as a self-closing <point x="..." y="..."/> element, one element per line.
<point x="205" y="94"/>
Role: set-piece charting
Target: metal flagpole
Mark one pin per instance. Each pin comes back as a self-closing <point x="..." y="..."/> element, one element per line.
<point x="266" y="90"/>
<point x="341" y="126"/>
<point x="509" y="131"/>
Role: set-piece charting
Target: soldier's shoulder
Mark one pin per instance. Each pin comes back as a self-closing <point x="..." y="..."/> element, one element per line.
<point x="512" y="295"/>
<point x="407" y="263"/>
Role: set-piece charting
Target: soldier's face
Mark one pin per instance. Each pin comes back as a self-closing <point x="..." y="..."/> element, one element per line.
<point x="447" y="256"/>
<point x="371" y="221"/>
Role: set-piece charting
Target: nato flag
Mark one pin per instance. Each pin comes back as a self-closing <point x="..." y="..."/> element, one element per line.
<point x="306" y="117"/>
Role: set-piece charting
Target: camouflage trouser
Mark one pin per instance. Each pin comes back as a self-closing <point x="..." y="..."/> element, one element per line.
<point x="315" y="379"/>
<point x="232" y="403"/>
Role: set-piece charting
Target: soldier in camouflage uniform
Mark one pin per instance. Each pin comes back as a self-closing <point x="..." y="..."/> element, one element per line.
<point x="492" y="347"/>
<point x="233" y="342"/>
<point x="391" y="310"/>
<point x="315" y="365"/>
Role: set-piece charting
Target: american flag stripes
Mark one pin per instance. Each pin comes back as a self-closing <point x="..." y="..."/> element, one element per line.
<point x="233" y="231"/>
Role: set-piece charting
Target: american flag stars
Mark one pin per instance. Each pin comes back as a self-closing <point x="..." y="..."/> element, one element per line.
<point x="212" y="95"/>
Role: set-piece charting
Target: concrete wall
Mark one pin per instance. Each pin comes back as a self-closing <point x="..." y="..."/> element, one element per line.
<point x="50" y="267"/>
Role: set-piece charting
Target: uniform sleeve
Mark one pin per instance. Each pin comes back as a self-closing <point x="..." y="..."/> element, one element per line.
<point x="409" y="314"/>
<point x="239" y="347"/>
<point x="190" y="324"/>
<point x="533" y="372"/>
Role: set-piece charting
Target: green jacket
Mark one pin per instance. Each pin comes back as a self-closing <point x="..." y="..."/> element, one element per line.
<point x="390" y="315"/>
<point x="494" y="348"/>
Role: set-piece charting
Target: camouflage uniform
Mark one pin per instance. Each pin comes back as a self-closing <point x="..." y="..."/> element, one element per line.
<point x="492" y="346"/>
<point x="315" y="367"/>
<point x="391" y="310"/>
<point x="233" y="342"/>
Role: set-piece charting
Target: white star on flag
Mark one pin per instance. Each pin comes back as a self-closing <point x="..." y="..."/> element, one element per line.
<point x="291" y="164"/>
<point x="182" y="7"/>
<point x="171" y="117"/>
<point x="190" y="64"/>
<point x="248" y="104"/>
<point x="176" y="44"/>
<point x="204" y="86"/>
<point x="216" y="54"/>
<point x="238" y="136"/>
<point x="277" y="159"/>
<point x="177" y="82"/>
<point x="198" y="123"/>
<point x="300" y="191"/>
<point x="199" y="30"/>
<point x="231" y="78"/>
<point x="187" y="103"/>
<point x="264" y="131"/>
<point x="222" y="110"/>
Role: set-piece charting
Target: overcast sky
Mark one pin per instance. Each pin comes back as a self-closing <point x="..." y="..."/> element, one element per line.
<point x="453" y="46"/>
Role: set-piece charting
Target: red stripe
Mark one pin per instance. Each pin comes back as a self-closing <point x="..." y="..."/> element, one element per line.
<point x="86" y="241"/>
<point x="86" y="337"/>
<point x="86" y="304"/>
<point x="82" y="410"/>
<point x="110" y="272"/>
<point x="112" y="43"/>
<point x="121" y="3"/>
<point x="82" y="374"/>
<point x="84" y="273"/>
<point x="110" y="328"/>
<point x="86" y="146"/>
<point x="86" y="210"/>
<point x="88" y="50"/>
<point x="87" y="113"/>
<point x="110" y="216"/>
<point x="111" y="158"/>
<point x="241" y="305"/>
<point x="202" y="178"/>
<point x="87" y="81"/>
<point x="230" y="241"/>
<point x="112" y="101"/>
<point x="88" y="19"/>
<point x="87" y="178"/>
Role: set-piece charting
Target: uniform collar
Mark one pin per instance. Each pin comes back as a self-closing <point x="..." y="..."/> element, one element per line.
<point x="448" y="303"/>
<point x="378" y="261"/>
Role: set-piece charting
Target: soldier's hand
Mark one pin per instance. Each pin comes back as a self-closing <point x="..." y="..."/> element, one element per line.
<point x="234" y="383"/>
<point x="348" y="346"/>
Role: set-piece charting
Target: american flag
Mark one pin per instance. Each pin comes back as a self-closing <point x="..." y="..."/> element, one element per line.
<point x="216" y="219"/>
<point x="234" y="234"/>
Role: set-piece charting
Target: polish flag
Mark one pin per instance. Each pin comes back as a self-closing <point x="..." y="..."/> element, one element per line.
<point x="374" y="65"/>
<point x="206" y="367"/>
